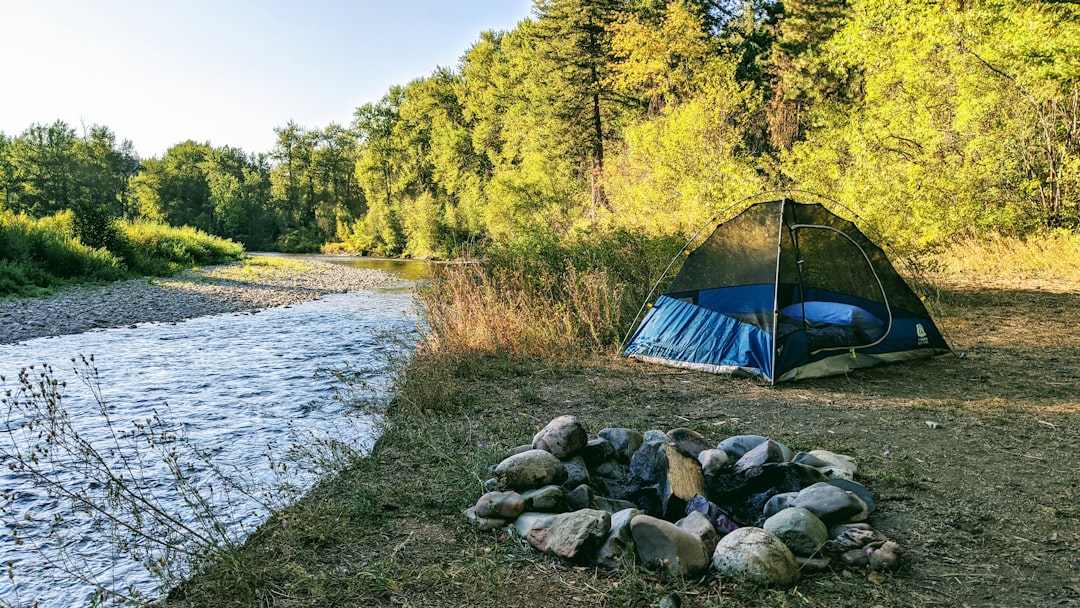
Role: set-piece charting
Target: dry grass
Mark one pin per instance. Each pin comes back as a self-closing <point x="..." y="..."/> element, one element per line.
<point x="1000" y="260"/>
<point x="472" y="311"/>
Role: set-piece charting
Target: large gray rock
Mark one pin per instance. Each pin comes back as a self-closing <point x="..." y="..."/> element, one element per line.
<point x="778" y="503"/>
<point x="580" y="497"/>
<point x="550" y="499"/>
<point x="698" y="524"/>
<point x="831" y="504"/>
<point x="737" y="445"/>
<point x="531" y="469"/>
<point x="838" y="465"/>
<point x="662" y="544"/>
<point x="624" y="441"/>
<point x="657" y="436"/>
<point x="767" y="451"/>
<point x="800" y="530"/>
<point x="757" y="556"/>
<point x="576" y="472"/>
<point x="503" y="505"/>
<point x="856" y="488"/>
<point x="648" y="466"/>
<point x="618" y="539"/>
<point x="570" y="534"/>
<point x="563" y="436"/>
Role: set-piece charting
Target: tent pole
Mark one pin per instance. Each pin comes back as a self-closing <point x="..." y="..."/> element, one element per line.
<point x="776" y="290"/>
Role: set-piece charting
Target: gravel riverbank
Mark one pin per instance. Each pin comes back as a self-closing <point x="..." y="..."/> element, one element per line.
<point x="241" y="286"/>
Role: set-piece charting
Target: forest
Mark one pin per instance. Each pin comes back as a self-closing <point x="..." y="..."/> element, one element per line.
<point x="929" y="120"/>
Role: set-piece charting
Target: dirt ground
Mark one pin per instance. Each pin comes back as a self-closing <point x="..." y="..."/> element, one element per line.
<point x="971" y="458"/>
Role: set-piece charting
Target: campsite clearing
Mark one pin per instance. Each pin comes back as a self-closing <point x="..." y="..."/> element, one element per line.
<point x="970" y="456"/>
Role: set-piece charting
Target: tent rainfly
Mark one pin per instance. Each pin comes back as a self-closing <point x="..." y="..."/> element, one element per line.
<point x="784" y="291"/>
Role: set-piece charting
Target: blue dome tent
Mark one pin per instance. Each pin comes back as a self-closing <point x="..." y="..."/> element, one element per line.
<point x="783" y="291"/>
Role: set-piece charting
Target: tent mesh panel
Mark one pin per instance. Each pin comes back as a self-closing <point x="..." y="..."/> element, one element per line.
<point x="742" y="251"/>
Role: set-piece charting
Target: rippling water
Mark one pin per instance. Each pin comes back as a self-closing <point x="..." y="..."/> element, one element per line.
<point x="238" y="385"/>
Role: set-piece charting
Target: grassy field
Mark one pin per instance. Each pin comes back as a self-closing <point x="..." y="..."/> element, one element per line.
<point x="984" y="501"/>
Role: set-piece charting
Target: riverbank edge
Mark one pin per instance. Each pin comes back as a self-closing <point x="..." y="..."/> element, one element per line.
<point x="255" y="283"/>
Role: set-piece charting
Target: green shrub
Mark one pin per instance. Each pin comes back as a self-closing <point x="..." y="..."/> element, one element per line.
<point x="153" y="248"/>
<point x="42" y="253"/>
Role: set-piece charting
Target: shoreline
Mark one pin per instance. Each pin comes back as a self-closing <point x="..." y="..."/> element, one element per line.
<point x="253" y="284"/>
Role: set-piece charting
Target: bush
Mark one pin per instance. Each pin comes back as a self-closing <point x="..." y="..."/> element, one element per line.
<point x="153" y="248"/>
<point x="38" y="254"/>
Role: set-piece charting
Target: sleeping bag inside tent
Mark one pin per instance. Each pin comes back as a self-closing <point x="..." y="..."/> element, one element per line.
<point x="785" y="290"/>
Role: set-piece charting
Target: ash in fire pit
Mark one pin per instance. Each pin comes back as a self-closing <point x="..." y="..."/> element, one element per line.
<point x="761" y="511"/>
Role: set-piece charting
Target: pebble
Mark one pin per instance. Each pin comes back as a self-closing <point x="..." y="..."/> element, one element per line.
<point x="192" y="293"/>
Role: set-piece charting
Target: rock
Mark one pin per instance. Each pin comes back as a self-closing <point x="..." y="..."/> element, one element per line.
<point x="550" y="499"/>
<point x="767" y="451"/>
<point x="699" y="525"/>
<point x="737" y="445"/>
<point x="830" y="503"/>
<point x="624" y="441"/>
<point x="484" y="523"/>
<point x="778" y="503"/>
<point x="856" y="558"/>
<point x="519" y="449"/>
<point x="716" y="516"/>
<point x="657" y="436"/>
<point x="839" y="465"/>
<point x="570" y="534"/>
<point x="755" y="555"/>
<point x="809" y="460"/>
<point x="580" y="497"/>
<point x="563" y="436"/>
<point x="491" y="485"/>
<point x="671" y="600"/>
<point x="618" y="539"/>
<point x="648" y="466"/>
<point x="799" y="529"/>
<point x="612" y="478"/>
<point x="597" y="451"/>
<point x="662" y="544"/>
<point x="812" y="564"/>
<point x="846" y="537"/>
<point x="611" y="505"/>
<point x="682" y="483"/>
<point x="528" y="520"/>
<point x="856" y="488"/>
<point x="689" y="442"/>
<point x="886" y="557"/>
<point x="501" y="505"/>
<point x="713" y="461"/>
<point x="576" y="472"/>
<point x="790" y="476"/>
<point x="530" y="469"/>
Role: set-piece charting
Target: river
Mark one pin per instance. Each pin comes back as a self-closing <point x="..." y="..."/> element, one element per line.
<point x="247" y="389"/>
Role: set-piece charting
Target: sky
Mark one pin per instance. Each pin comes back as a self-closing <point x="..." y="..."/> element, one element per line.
<point x="223" y="72"/>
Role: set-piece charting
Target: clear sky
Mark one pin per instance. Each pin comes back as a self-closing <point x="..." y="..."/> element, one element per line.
<point x="226" y="72"/>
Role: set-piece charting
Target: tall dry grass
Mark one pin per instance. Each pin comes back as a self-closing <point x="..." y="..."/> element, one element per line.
<point x="470" y="310"/>
<point x="993" y="258"/>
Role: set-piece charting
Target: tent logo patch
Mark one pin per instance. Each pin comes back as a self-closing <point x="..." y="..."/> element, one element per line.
<point x="921" y="332"/>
